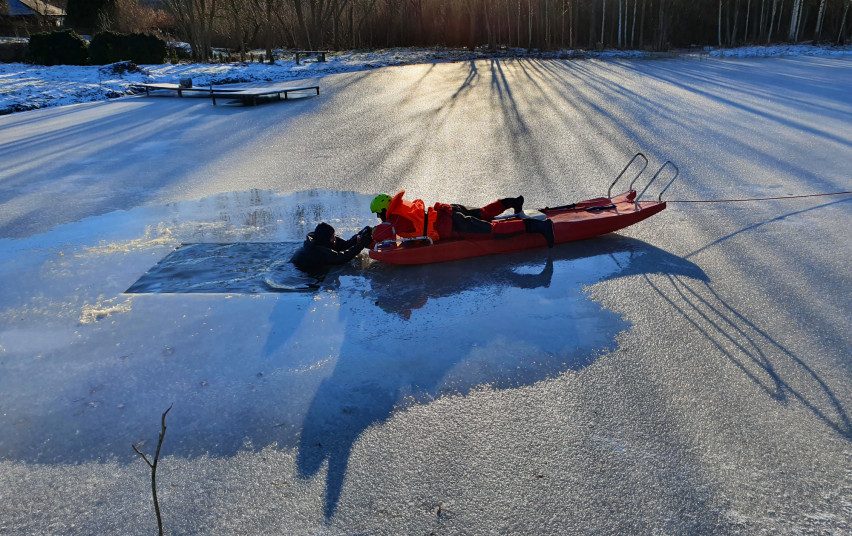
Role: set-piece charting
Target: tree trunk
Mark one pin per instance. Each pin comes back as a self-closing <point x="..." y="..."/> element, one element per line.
<point x="633" y="27"/>
<point x="803" y="20"/>
<point x="619" y="24"/>
<point x="575" y="23"/>
<point x="719" y="26"/>
<point x="745" y="30"/>
<point x="303" y="26"/>
<point x="820" y="14"/>
<point x="794" y="20"/>
<point x="351" y="25"/>
<point x="733" y="40"/>
<point x="603" y="20"/>
<point x="591" y="26"/>
<point x="518" y="43"/>
<point x="529" y="25"/>
<point x="771" y="21"/>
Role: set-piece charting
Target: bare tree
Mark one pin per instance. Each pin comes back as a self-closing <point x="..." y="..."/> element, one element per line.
<point x="195" y="18"/>
<point x="245" y="22"/>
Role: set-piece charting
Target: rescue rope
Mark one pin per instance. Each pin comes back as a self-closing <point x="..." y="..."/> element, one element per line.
<point x="753" y="198"/>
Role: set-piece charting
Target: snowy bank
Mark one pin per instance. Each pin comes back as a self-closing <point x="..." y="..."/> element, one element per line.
<point x="770" y="51"/>
<point x="26" y="87"/>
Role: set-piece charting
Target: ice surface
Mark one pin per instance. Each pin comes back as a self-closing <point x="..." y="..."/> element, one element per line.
<point x="690" y="375"/>
<point x="27" y="87"/>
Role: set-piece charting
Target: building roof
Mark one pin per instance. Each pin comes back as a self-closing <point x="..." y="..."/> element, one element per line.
<point x="24" y="8"/>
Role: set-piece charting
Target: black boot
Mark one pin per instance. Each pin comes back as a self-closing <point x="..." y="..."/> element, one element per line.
<point x="543" y="227"/>
<point x="514" y="203"/>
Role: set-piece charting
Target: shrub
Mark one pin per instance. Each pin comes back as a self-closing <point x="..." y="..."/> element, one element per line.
<point x="111" y="47"/>
<point x="57" y="48"/>
<point x="179" y="51"/>
<point x="84" y="14"/>
<point x="13" y="52"/>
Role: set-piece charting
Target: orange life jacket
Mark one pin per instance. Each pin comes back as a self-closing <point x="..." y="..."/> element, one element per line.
<point x="410" y="218"/>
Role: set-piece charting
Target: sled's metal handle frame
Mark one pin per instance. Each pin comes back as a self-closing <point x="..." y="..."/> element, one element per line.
<point x="676" y="175"/>
<point x="623" y="171"/>
<point x="657" y="174"/>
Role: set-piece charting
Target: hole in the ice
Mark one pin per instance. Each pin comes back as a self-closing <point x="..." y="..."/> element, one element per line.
<point x="238" y="268"/>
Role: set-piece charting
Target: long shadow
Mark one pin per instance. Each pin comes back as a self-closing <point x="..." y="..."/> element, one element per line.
<point x="676" y="79"/>
<point x="761" y="224"/>
<point x="503" y="322"/>
<point x="468" y="82"/>
<point x="661" y="109"/>
<point x="27" y="117"/>
<point x="726" y="327"/>
<point x="410" y="133"/>
<point x="98" y="157"/>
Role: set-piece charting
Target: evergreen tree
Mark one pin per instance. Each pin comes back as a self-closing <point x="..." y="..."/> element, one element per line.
<point x="83" y="15"/>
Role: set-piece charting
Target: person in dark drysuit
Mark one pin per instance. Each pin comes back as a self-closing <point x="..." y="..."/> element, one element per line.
<point x="323" y="249"/>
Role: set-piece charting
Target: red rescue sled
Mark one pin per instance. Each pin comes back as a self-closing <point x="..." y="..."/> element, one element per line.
<point x="577" y="221"/>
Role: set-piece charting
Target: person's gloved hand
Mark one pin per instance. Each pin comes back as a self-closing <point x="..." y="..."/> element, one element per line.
<point x="383" y="231"/>
<point x="364" y="237"/>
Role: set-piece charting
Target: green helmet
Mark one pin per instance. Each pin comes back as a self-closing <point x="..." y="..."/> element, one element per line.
<point x="380" y="203"/>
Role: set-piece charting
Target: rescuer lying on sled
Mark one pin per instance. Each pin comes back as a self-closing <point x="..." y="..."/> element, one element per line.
<point x="441" y="221"/>
<point x="323" y="249"/>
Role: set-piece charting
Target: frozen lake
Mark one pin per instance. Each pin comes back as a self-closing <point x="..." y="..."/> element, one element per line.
<point x="689" y="374"/>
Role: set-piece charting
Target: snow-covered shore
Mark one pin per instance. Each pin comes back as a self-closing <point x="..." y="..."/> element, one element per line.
<point x="26" y="87"/>
<point x="774" y="51"/>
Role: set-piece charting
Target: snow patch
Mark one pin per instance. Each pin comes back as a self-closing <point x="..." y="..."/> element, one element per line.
<point x="154" y="237"/>
<point x="103" y="308"/>
<point x="781" y="50"/>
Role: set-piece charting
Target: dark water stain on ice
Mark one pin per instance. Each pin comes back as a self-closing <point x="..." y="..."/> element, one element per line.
<point x="310" y="371"/>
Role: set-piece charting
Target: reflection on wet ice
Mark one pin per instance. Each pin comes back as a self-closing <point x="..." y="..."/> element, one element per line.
<point x="309" y="371"/>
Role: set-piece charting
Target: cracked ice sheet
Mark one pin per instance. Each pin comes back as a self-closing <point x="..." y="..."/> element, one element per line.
<point x="714" y="388"/>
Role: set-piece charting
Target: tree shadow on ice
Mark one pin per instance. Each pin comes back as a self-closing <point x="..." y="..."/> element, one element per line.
<point x="753" y="349"/>
<point x="497" y="322"/>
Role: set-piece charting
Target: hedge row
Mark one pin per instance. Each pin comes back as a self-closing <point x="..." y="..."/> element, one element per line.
<point x="67" y="48"/>
<point x="109" y="47"/>
<point x="58" y="48"/>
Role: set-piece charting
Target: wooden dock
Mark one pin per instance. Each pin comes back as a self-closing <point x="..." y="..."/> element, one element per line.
<point x="246" y="95"/>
